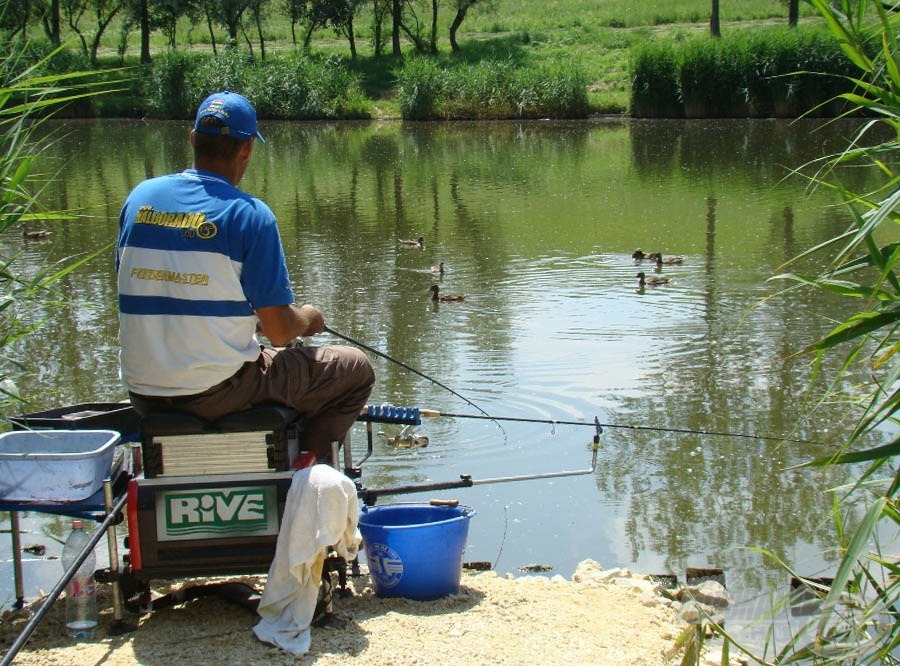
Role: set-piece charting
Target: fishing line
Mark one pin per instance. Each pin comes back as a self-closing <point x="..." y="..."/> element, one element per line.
<point x="554" y="422"/>
<point x="413" y="370"/>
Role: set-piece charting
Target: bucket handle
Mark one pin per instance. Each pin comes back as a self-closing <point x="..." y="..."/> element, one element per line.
<point x="443" y="502"/>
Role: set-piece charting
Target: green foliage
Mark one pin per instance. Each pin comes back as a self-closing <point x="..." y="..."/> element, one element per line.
<point x="305" y="87"/>
<point x="755" y="73"/>
<point x="427" y="90"/>
<point x="167" y="93"/>
<point x="298" y="86"/>
<point x="654" y="81"/>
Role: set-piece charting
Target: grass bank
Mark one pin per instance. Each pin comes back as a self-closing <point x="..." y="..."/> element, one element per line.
<point x="518" y="59"/>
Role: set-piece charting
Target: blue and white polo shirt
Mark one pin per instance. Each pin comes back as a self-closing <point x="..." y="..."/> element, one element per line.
<point x="196" y="257"/>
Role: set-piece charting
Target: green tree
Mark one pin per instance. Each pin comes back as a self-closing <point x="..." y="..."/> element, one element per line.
<point x="379" y="12"/>
<point x="104" y="12"/>
<point x="14" y="17"/>
<point x="338" y="14"/>
<point x="296" y="12"/>
<point x="257" y="9"/>
<point x="462" y="8"/>
<point x="50" y="17"/>
<point x="74" y="11"/>
<point x="227" y="13"/>
<point x="396" y="21"/>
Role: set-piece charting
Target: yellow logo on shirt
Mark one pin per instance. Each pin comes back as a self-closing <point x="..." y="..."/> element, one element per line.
<point x="201" y="279"/>
<point x="195" y="224"/>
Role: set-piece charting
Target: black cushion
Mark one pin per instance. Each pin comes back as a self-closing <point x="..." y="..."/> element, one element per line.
<point x="261" y="417"/>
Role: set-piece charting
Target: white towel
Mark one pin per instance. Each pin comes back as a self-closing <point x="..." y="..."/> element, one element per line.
<point x="320" y="510"/>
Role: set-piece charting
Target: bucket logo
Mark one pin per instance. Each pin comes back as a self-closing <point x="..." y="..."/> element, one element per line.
<point x="385" y="564"/>
<point x="216" y="512"/>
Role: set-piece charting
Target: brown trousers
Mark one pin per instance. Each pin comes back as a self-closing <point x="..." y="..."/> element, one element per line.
<point x="329" y="386"/>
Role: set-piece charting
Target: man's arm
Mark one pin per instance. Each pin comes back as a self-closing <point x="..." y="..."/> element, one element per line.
<point x="282" y="323"/>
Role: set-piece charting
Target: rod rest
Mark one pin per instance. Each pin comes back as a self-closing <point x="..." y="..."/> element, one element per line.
<point x="390" y="414"/>
<point x="281" y="425"/>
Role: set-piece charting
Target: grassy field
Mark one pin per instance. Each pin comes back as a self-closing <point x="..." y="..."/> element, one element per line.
<point x="596" y="34"/>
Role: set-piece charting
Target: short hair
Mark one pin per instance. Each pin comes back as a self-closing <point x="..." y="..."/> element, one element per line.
<point x="216" y="146"/>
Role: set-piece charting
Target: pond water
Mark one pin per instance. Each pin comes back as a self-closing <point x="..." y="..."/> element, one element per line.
<point x="693" y="381"/>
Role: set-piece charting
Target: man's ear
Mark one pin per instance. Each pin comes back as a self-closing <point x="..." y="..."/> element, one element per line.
<point x="247" y="149"/>
<point x="191" y="138"/>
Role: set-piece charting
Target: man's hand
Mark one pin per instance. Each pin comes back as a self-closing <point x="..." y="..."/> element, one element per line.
<point x="283" y="323"/>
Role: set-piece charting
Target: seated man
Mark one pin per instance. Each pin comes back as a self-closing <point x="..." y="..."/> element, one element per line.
<point x="200" y="266"/>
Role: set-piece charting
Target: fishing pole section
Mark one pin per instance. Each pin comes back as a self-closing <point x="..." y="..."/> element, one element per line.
<point x="411" y="416"/>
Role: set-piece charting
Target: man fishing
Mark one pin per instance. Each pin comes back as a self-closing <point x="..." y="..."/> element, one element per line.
<point x="201" y="271"/>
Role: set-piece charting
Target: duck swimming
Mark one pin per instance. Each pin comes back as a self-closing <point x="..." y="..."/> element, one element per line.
<point x="37" y="234"/>
<point x="643" y="280"/>
<point x="409" y="242"/>
<point x="639" y="255"/>
<point x="436" y="295"/>
<point x="660" y="260"/>
<point x="439" y="269"/>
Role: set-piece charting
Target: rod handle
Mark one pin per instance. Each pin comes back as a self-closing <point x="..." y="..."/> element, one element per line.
<point x="429" y="412"/>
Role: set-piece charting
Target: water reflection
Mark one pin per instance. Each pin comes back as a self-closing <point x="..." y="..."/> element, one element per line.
<point x="536" y="222"/>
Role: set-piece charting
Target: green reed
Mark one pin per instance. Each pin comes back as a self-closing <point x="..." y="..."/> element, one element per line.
<point x="430" y="90"/>
<point x="297" y="86"/>
<point x="759" y="73"/>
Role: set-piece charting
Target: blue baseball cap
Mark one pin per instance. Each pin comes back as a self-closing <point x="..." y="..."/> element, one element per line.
<point x="236" y="113"/>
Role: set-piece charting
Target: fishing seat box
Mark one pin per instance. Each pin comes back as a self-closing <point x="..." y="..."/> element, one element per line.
<point x="212" y="494"/>
<point x="261" y="438"/>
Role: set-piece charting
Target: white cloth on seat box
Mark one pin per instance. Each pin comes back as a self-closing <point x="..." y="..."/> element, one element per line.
<point x="320" y="510"/>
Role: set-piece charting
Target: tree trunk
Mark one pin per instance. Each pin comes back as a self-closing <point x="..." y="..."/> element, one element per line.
<point x="454" y="26"/>
<point x="714" y="29"/>
<point x="145" y="33"/>
<point x="102" y="25"/>
<point x="793" y="13"/>
<point x="259" y="31"/>
<point x="351" y="38"/>
<point x="434" y="22"/>
<point x="396" y="15"/>
<point x="212" y="34"/>
<point x="421" y="47"/>
<point x="377" y="24"/>
<point x="54" y="23"/>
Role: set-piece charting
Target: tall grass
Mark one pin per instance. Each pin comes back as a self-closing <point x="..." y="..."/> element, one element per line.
<point x="428" y="90"/>
<point x="298" y="86"/>
<point x="776" y="72"/>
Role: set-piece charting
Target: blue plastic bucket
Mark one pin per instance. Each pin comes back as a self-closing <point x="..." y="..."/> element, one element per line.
<point x="415" y="550"/>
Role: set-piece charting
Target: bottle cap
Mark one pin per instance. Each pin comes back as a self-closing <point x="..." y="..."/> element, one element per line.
<point x="77" y="524"/>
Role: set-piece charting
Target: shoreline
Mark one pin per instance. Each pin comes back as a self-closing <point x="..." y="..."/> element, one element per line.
<point x="607" y="617"/>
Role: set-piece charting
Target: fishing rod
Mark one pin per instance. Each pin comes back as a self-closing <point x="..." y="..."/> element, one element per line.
<point x="437" y="413"/>
<point x="485" y="415"/>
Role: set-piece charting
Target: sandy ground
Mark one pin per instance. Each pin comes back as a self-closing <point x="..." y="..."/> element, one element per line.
<point x="596" y="617"/>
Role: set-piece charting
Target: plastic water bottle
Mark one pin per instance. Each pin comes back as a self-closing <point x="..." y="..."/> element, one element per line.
<point x="81" y="599"/>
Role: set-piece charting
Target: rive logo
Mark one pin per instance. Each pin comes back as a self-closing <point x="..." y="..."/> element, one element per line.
<point x="217" y="512"/>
